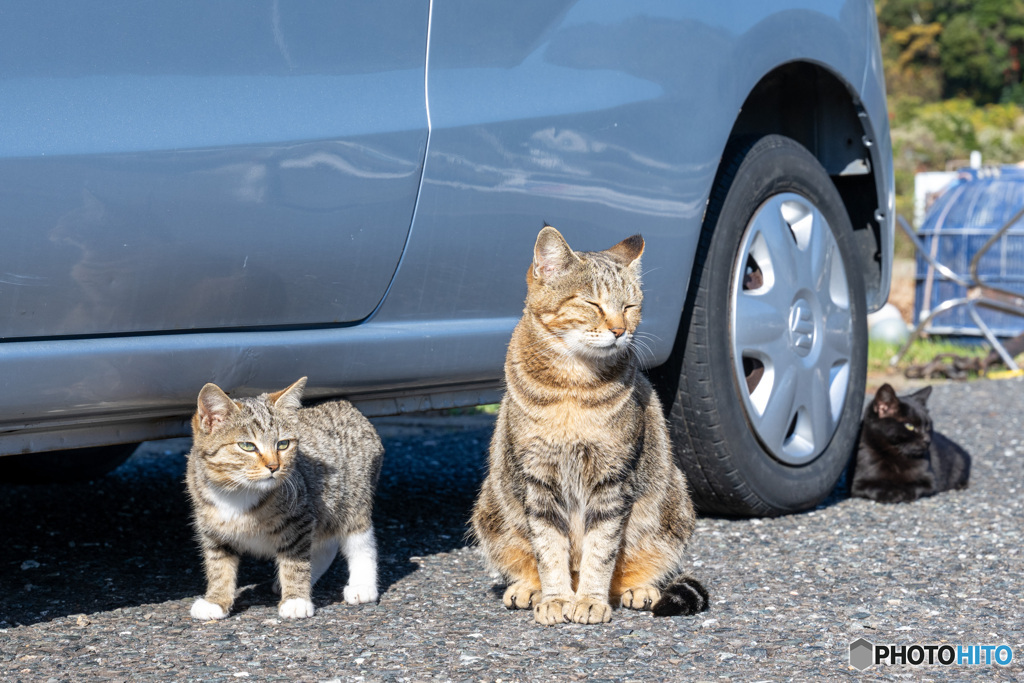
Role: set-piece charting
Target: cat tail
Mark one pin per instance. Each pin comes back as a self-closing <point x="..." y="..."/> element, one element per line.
<point x="684" y="596"/>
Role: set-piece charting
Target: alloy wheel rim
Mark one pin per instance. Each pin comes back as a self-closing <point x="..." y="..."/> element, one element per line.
<point x="791" y="328"/>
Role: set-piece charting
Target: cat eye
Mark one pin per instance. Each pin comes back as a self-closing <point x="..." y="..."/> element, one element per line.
<point x="910" y="427"/>
<point x="247" y="446"/>
<point x="283" y="444"/>
<point x="593" y="303"/>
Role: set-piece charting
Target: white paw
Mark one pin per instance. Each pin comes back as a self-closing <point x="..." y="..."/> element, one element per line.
<point x="296" y="608"/>
<point x="356" y="595"/>
<point x="206" y="610"/>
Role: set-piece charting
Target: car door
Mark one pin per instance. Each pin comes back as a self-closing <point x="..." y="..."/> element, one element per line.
<point x="572" y="112"/>
<point x="191" y="165"/>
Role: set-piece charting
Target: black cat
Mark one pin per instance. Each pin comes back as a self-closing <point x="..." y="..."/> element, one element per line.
<point x="899" y="457"/>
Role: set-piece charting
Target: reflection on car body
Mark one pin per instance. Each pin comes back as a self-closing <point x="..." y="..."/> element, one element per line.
<point x="244" y="193"/>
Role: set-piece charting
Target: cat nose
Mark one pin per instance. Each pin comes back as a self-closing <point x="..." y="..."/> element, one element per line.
<point x="618" y="331"/>
<point x="273" y="466"/>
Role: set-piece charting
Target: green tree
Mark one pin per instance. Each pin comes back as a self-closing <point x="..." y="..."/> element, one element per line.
<point x="971" y="48"/>
<point x="980" y="47"/>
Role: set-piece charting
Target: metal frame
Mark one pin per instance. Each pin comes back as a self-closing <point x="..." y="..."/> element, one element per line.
<point x="979" y="293"/>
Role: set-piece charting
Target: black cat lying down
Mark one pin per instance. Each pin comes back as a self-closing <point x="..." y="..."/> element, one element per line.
<point x="900" y="458"/>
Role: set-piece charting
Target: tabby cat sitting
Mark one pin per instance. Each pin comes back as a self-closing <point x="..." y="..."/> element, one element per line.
<point x="583" y="504"/>
<point x="900" y="457"/>
<point x="270" y="478"/>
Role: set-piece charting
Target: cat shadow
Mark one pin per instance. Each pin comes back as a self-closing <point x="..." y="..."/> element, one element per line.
<point x="126" y="540"/>
<point x="433" y="468"/>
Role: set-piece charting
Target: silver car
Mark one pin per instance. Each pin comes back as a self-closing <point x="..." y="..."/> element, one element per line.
<point x="247" y="192"/>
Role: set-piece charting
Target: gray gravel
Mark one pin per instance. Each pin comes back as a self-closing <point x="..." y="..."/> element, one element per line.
<point x="97" y="580"/>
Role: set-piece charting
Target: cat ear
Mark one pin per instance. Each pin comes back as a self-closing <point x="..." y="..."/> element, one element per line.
<point x="290" y="398"/>
<point x="628" y="250"/>
<point x="552" y="255"/>
<point x="215" y="407"/>
<point x="886" y="404"/>
<point x="922" y="394"/>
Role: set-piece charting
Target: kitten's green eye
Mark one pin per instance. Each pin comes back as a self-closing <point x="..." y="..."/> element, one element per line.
<point x="283" y="444"/>
<point x="247" y="446"/>
<point x="910" y="427"/>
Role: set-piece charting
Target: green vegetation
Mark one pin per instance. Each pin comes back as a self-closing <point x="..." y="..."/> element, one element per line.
<point x="954" y="77"/>
<point x="940" y="49"/>
<point x="921" y="351"/>
<point x="936" y="136"/>
<point x="486" y="409"/>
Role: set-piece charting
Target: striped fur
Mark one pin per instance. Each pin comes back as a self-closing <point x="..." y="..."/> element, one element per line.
<point x="583" y="505"/>
<point x="270" y="478"/>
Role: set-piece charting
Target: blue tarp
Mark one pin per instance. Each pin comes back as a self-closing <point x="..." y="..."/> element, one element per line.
<point x="957" y="225"/>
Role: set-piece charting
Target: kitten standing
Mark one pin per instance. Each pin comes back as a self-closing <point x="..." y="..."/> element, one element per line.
<point x="900" y="458"/>
<point x="270" y="478"/>
<point x="583" y="503"/>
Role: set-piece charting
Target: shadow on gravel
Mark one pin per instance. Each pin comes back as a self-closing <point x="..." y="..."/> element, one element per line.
<point x="839" y="493"/>
<point x="126" y="539"/>
<point x="433" y="468"/>
<point x="119" y="541"/>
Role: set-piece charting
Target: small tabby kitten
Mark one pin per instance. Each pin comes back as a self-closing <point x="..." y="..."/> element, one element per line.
<point x="583" y="504"/>
<point x="900" y="458"/>
<point x="270" y="478"/>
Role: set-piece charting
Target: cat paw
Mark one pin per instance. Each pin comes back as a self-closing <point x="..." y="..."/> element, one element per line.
<point x="295" y="608"/>
<point x="591" y="611"/>
<point x="205" y="610"/>
<point x="357" y="595"/>
<point x="640" y="598"/>
<point x="519" y="596"/>
<point x="552" y="611"/>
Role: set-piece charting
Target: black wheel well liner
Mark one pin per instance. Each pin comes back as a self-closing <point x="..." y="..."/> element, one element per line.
<point x="810" y="104"/>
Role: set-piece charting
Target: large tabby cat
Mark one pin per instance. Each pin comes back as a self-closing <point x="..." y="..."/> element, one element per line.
<point x="270" y="478"/>
<point x="900" y="458"/>
<point x="583" y="504"/>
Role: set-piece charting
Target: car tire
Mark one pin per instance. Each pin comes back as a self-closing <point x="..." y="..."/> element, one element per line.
<point x="61" y="467"/>
<point x="766" y="384"/>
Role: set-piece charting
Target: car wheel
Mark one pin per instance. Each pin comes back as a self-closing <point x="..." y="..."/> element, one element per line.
<point x="772" y="356"/>
<point x="58" y="467"/>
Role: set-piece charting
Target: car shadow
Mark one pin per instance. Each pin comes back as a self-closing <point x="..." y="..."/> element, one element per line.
<point x="118" y="541"/>
<point x="126" y="539"/>
<point x="433" y="469"/>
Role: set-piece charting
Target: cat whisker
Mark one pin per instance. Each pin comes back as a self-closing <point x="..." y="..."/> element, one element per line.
<point x="646" y="335"/>
<point x="640" y="349"/>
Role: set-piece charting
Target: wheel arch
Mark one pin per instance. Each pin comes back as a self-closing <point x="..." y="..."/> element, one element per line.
<point x="810" y="104"/>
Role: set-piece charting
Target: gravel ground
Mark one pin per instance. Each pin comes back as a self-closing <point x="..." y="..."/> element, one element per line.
<point x="98" y="578"/>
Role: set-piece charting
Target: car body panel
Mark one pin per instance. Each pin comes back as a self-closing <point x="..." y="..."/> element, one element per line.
<point x="607" y="120"/>
<point x="604" y="119"/>
<point x="189" y="166"/>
